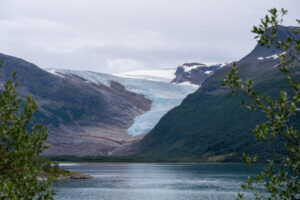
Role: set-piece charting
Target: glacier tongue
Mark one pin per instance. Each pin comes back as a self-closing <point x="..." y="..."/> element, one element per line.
<point x="164" y="96"/>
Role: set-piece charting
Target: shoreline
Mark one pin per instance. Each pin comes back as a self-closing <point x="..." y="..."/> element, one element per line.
<point x="219" y="163"/>
<point x="62" y="175"/>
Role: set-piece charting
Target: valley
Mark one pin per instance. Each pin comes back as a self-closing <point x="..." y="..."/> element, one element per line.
<point x="96" y="114"/>
<point x="175" y="115"/>
<point x="151" y="100"/>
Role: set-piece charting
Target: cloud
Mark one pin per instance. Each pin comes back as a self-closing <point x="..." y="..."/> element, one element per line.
<point x="123" y="65"/>
<point x="119" y="35"/>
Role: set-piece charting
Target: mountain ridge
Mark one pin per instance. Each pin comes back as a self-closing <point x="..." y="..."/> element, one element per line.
<point x="210" y="126"/>
<point x="76" y="110"/>
<point x="194" y="73"/>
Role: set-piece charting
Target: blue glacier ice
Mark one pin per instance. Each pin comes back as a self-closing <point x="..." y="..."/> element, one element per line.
<point x="164" y="95"/>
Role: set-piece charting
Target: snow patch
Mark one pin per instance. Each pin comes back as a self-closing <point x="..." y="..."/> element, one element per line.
<point x="274" y="56"/>
<point x="224" y="64"/>
<point x="53" y="71"/>
<point x="208" y="72"/>
<point x="188" y="69"/>
<point x="188" y="84"/>
<point x="209" y="64"/>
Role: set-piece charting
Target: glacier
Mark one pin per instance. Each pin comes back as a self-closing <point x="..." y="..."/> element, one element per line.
<point x="163" y="94"/>
<point x="165" y="75"/>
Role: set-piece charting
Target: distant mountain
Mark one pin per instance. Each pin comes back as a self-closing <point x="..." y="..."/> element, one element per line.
<point x="84" y="118"/>
<point x="185" y="74"/>
<point x="194" y="73"/>
<point x="210" y="126"/>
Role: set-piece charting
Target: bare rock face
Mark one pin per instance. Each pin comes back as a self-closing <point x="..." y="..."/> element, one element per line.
<point x="194" y="73"/>
<point x="84" y="118"/>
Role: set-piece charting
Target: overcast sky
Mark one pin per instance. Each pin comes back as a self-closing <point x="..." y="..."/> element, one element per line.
<point x="124" y="35"/>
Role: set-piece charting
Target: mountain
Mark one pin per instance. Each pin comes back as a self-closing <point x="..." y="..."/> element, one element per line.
<point x="194" y="73"/>
<point x="84" y="118"/>
<point x="92" y="113"/>
<point x="211" y="126"/>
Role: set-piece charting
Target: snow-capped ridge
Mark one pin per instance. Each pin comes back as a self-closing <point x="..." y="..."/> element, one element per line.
<point x="189" y="68"/>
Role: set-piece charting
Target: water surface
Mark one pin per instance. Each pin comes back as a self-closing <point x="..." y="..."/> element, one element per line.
<point x="155" y="181"/>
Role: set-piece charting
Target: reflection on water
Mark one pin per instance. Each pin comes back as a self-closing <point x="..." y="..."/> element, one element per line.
<point x="155" y="181"/>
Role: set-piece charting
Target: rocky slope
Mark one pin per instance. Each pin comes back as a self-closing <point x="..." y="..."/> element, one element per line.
<point x="194" y="73"/>
<point x="84" y="118"/>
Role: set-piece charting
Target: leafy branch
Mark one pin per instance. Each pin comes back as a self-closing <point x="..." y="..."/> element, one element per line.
<point x="280" y="182"/>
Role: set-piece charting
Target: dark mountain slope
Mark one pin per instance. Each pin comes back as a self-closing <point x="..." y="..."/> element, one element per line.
<point x="84" y="118"/>
<point x="209" y="125"/>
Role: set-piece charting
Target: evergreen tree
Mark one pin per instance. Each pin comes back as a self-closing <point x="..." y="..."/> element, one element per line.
<point x="21" y="141"/>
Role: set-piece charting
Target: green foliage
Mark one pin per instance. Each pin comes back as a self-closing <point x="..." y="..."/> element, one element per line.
<point x="20" y="144"/>
<point x="280" y="181"/>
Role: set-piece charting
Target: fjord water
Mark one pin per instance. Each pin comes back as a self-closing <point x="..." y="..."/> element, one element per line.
<point x="155" y="181"/>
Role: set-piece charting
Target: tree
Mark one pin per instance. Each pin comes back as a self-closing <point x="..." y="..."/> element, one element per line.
<point x="279" y="181"/>
<point x="21" y="141"/>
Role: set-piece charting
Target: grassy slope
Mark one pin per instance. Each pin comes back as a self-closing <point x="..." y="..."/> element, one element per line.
<point x="210" y="126"/>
